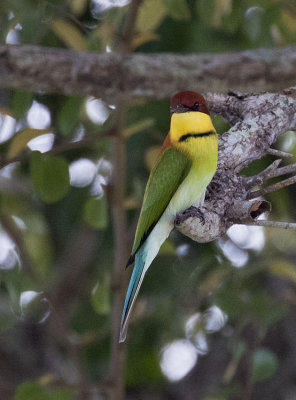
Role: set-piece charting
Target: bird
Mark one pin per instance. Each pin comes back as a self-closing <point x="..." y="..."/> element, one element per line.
<point x="186" y="164"/>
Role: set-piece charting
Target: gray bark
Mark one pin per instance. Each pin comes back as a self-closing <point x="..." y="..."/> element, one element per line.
<point x="110" y="75"/>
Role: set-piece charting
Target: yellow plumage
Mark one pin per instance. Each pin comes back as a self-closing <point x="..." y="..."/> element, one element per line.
<point x="202" y="151"/>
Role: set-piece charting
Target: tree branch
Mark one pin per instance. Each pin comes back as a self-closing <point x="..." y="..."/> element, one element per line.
<point x="121" y="248"/>
<point x="278" y="153"/>
<point x="257" y="120"/>
<point x="272" y="188"/>
<point x="52" y="70"/>
<point x="271" y="224"/>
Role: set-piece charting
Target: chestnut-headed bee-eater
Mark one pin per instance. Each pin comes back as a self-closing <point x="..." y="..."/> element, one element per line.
<point x="185" y="166"/>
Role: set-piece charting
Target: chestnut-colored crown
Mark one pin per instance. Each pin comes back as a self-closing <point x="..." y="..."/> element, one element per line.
<point x="189" y="101"/>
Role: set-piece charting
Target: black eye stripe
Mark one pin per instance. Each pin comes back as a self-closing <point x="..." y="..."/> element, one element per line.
<point x="195" y="106"/>
<point x="195" y="135"/>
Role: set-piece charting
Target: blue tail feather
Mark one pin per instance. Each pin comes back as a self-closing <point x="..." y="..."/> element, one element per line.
<point x="132" y="291"/>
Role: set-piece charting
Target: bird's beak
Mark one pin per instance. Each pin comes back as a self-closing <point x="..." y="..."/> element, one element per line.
<point x="179" y="109"/>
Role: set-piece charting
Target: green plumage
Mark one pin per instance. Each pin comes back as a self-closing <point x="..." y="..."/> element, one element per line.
<point x="178" y="180"/>
<point x="164" y="180"/>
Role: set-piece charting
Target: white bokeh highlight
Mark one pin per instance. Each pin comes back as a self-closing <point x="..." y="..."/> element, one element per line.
<point x="199" y="325"/>
<point x="19" y="222"/>
<point x="100" y="6"/>
<point x="215" y="319"/>
<point x="183" y="250"/>
<point x="9" y="257"/>
<point x="289" y="142"/>
<point x="82" y="172"/>
<point x="233" y="253"/>
<point x="247" y="237"/>
<point x="38" y="116"/>
<point x="177" y="359"/>
<point x="42" y="143"/>
<point x="97" y="111"/>
<point x="27" y="298"/>
<point x="7" y="127"/>
<point x="8" y="171"/>
<point x="103" y="177"/>
<point x="12" y="37"/>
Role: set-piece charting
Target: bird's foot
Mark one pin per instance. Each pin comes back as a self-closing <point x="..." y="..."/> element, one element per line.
<point x="197" y="213"/>
<point x="191" y="212"/>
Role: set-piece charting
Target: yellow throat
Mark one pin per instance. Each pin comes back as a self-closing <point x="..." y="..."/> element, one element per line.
<point x="193" y="133"/>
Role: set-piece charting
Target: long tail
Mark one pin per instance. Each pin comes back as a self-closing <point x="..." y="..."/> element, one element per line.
<point x="133" y="290"/>
<point x="144" y="257"/>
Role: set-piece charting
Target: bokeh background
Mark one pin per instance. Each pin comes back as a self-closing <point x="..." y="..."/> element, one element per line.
<point x="213" y="321"/>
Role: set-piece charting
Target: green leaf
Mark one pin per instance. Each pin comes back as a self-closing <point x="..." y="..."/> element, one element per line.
<point x="229" y="300"/>
<point x="6" y="322"/>
<point x="150" y="15"/>
<point x="167" y="248"/>
<point x="283" y="269"/>
<point x="177" y="9"/>
<point x="100" y="298"/>
<point x="205" y="9"/>
<point x="138" y="127"/>
<point x="50" y="176"/>
<point x="78" y="7"/>
<point x="21" y="101"/>
<point x="220" y="123"/>
<point x="68" y="117"/>
<point x="62" y="394"/>
<point x="69" y="34"/>
<point x="148" y="365"/>
<point x="264" y="364"/>
<point x="30" y="391"/>
<point x="96" y="213"/>
<point x="224" y="15"/>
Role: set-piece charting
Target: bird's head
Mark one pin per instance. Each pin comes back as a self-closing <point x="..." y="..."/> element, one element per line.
<point x="191" y="127"/>
<point x="187" y="101"/>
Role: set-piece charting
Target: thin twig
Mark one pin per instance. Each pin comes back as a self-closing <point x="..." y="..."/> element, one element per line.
<point x="279" y="153"/>
<point x="118" y="351"/>
<point x="282" y="171"/>
<point x="271" y="224"/>
<point x="7" y="161"/>
<point x="126" y="45"/>
<point x="272" y="188"/>
<point x="91" y="139"/>
<point x="60" y="148"/>
<point x="263" y="175"/>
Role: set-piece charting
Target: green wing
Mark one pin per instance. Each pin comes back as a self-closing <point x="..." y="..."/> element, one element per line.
<point x="163" y="182"/>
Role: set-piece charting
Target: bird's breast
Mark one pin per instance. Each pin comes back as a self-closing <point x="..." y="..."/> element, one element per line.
<point x="194" y="185"/>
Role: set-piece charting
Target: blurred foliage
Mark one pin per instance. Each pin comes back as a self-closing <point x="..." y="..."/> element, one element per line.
<point x="51" y="212"/>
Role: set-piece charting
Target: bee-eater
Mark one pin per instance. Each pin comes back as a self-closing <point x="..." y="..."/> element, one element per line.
<point x="185" y="166"/>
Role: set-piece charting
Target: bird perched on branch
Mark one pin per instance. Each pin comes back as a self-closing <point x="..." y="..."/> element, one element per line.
<point x="185" y="166"/>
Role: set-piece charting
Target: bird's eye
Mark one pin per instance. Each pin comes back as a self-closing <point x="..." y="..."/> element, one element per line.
<point x="196" y="106"/>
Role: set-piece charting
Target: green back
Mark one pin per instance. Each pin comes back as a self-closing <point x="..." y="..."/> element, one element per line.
<point x="164" y="180"/>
